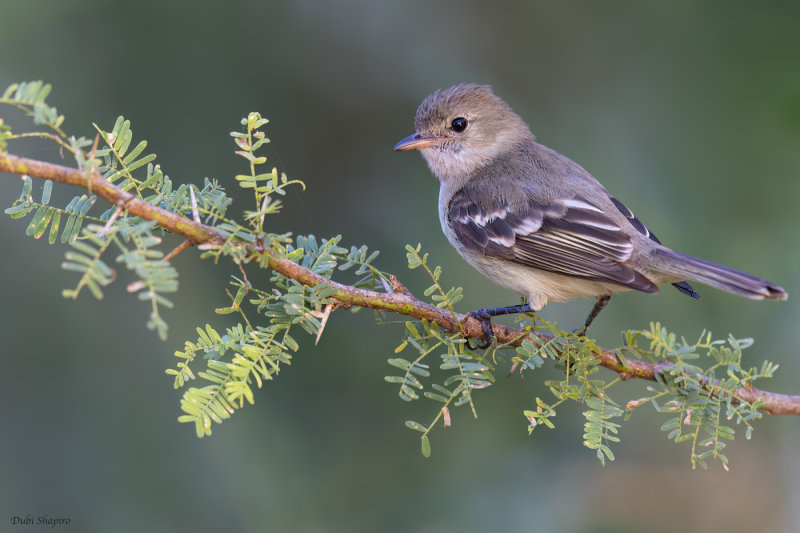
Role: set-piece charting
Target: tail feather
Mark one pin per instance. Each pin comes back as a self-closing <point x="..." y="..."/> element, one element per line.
<point x="718" y="276"/>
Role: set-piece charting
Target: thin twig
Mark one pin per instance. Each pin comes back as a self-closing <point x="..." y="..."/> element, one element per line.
<point x="195" y="214"/>
<point x="113" y="218"/>
<point x="244" y="275"/>
<point x="178" y="249"/>
<point x="324" y="316"/>
<point x="263" y="211"/>
<point x="91" y="158"/>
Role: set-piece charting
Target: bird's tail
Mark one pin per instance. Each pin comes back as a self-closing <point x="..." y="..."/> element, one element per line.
<point x="720" y="277"/>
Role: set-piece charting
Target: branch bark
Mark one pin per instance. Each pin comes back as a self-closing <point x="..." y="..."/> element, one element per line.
<point x="399" y="301"/>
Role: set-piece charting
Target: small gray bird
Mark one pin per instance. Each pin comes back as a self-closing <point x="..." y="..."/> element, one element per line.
<point x="535" y="222"/>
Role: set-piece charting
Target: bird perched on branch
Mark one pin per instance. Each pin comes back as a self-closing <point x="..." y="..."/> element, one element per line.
<point x="537" y="223"/>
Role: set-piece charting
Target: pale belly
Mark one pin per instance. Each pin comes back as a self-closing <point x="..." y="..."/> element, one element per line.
<point x="541" y="287"/>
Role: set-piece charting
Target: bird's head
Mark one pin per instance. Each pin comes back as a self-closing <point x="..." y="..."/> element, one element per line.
<point x="463" y="128"/>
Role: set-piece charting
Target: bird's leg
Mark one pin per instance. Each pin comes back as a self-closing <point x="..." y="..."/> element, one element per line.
<point x="485" y="318"/>
<point x="599" y="304"/>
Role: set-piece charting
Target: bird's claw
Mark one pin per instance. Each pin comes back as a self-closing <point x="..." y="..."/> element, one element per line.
<point x="486" y="325"/>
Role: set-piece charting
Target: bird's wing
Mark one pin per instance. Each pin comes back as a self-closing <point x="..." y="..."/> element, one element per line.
<point x="682" y="286"/>
<point x="572" y="237"/>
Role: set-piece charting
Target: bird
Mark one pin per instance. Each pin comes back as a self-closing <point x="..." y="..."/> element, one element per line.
<point x="535" y="222"/>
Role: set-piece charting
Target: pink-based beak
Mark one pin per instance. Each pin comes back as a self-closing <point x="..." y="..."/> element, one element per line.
<point x="415" y="141"/>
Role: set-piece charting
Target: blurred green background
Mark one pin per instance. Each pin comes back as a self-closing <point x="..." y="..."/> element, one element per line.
<point x="688" y="112"/>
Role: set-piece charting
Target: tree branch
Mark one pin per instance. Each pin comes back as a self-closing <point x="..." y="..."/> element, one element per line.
<point x="398" y="301"/>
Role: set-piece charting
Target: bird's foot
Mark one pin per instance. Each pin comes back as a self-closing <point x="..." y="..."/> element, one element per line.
<point x="486" y="325"/>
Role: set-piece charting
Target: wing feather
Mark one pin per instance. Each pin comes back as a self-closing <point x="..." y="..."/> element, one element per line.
<point x="682" y="286"/>
<point x="573" y="238"/>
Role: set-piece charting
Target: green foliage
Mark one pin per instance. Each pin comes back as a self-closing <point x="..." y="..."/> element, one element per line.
<point x="133" y="237"/>
<point x="694" y="398"/>
<point x="255" y="351"/>
<point x="118" y="163"/>
<point x="259" y="351"/>
<point x="5" y="134"/>
<point x="120" y="160"/>
<point x="155" y="276"/>
<point x="47" y="215"/>
<point x="701" y="401"/>
<point x="257" y="356"/>
<point x="436" y="292"/>
<point x="576" y="358"/>
<point x="86" y="260"/>
<point x="122" y="163"/>
<point x="135" y="244"/>
<point x="462" y="371"/>
<point x="263" y="184"/>
<point x="598" y="430"/>
<point x="30" y="97"/>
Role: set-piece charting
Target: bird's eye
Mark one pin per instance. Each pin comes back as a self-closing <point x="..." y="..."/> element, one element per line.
<point x="459" y="124"/>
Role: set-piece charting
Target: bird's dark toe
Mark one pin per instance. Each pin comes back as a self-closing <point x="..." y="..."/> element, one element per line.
<point x="486" y="325"/>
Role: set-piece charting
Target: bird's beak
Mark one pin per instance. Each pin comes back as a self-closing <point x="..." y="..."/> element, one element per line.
<point x="415" y="141"/>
